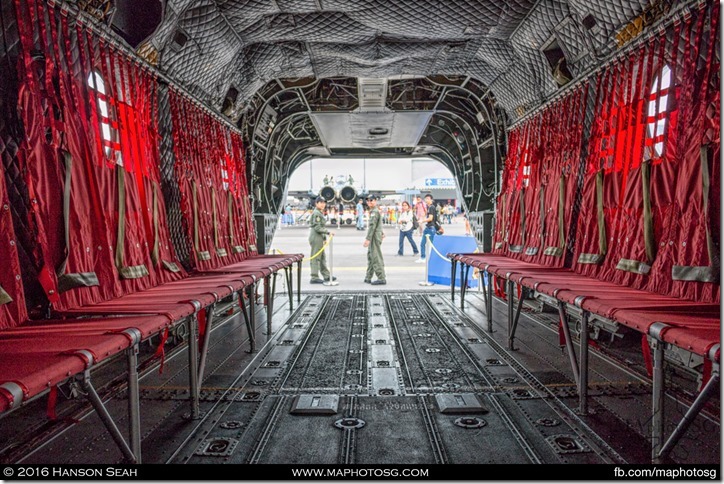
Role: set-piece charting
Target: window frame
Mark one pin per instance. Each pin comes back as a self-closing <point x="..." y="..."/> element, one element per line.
<point x="110" y="138"/>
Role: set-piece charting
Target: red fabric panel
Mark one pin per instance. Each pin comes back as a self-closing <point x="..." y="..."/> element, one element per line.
<point x="136" y="250"/>
<point x="130" y="95"/>
<point x="502" y="218"/>
<point x="45" y="179"/>
<point x="619" y="154"/>
<point x="623" y="141"/>
<point x="540" y="151"/>
<point x="244" y="212"/>
<point x="698" y="104"/>
<point x="211" y="157"/>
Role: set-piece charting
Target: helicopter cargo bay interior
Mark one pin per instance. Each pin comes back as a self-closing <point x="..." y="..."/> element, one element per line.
<point x="208" y="256"/>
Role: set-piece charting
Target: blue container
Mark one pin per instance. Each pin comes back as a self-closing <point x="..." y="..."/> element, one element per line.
<point x="439" y="270"/>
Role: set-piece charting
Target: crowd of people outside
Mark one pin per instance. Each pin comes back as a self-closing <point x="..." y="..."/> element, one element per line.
<point x="358" y="213"/>
<point x="424" y="218"/>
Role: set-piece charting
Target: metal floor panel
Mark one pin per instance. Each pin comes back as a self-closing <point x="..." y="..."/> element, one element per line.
<point x="301" y="439"/>
<point x="394" y="432"/>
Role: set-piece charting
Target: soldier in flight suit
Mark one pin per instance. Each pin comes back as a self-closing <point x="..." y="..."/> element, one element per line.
<point x="373" y="242"/>
<point x="317" y="235"/>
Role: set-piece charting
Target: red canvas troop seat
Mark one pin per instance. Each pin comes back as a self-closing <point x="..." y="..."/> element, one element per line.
<point x="39" y="355"/>
<point x="173" y="300"/>
<point x="691" y="325"/>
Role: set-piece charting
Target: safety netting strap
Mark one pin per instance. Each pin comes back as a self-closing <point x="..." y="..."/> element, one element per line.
<point x="4" y="297"/>
<point x="67" y="282"/>
<point x="632" y="265"/>
<point x="558" y="251"/>
<point x="522" y="216"/>
<point x="171" y="266"/>
<point x="201" y="254"/>
<point x="126" y="272"/>
<point x="503" y="232"/>
<point x="155" y="253"/>
<point x="702" y="273"/>
<point x="602" y="242"/>
<point x="236" y="249"/>
<point x="220" y="251"/>
<point x="542" y="215"/>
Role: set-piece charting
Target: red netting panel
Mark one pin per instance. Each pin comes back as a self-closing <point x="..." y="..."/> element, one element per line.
<point x="541" y="152"/>
<point x="211" y="176"/>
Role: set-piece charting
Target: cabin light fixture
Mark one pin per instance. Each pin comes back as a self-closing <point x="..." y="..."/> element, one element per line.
<point x="178" y="40"/>
<point x="378" y="131"/>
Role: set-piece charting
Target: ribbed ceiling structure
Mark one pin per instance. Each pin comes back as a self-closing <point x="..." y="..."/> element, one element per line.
<point x="212" y="45"/>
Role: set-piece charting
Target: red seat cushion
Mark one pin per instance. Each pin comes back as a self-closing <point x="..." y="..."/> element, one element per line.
<point x="694" y="326"/>
<point x="41" y="354"/>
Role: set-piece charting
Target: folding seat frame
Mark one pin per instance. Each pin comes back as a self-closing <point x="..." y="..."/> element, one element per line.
<point x="660" y="447"/>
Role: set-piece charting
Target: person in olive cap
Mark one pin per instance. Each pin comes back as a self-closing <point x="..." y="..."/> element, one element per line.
<point x="317" y="235"/>
<point x="373" y="242"/>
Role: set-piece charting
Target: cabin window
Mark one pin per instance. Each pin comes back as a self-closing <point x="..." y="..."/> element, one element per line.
<point x="526" y="176"/>
<point x="109" y="133"/>
<point x="657" y="111"/>
<point x="224" y="175"/>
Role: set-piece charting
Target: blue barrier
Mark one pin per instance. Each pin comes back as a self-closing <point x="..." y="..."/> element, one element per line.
<point x="439" y="270"/>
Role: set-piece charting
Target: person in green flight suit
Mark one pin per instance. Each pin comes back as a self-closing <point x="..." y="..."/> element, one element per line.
<point x="317" y="235"/>
<point x="373" y="242"/>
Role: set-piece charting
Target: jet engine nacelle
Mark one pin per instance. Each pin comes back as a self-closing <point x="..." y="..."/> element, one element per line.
<point x="328" y="193"/>
<point x="348" y="194"/>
